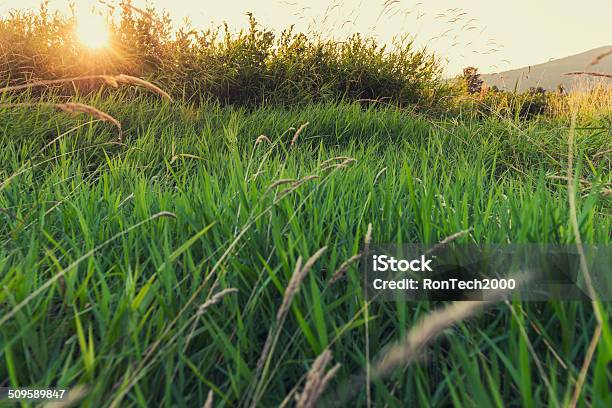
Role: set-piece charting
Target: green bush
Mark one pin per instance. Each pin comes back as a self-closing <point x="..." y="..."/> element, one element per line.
<point x="472" y="95"/>
<point x="251" y="67"/>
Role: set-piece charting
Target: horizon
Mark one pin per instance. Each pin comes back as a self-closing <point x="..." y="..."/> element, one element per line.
<point x="459" y="36"/>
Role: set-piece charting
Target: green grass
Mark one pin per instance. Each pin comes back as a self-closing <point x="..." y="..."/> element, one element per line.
<point x="100" y="286"/>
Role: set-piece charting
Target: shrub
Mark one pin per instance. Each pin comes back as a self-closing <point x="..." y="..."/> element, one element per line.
<point x="473" y="95"/>
<point x="250" y="67"/>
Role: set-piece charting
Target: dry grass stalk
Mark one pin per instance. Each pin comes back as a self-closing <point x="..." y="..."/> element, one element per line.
<point x="254" y="176"/>
<point x="73" y="108"/>
<point x="316" y="381"/>
<point x="594" y="74"/>
<point x="334" y="159"/>
<point x="279" y="183"/>
<point x="215" y="299"/>
<point x="266" y="349"/>
<point x="295" y="186"/>
<point x="261" y="139"/>
<point x="603" y="153"/>
<point x="432" y="325"/>
<point x="450" y="239"/>
<point x="131" y="80"/>
<point x="343" y="268"/>
<point x="53" y="82"/>
<point x="112" y="80"/>
<point x="186" y="156"/>
<point x="310" y="177"/>
<point x="366" y="250"/>
<point x="343" y="164"/>
<point x="346" y="264"/>
<point x="586" y="98"/>
<point x="293" y="286"/>
<point x="297" y="134"/>
<point x="418" y="337"/>
<point x="606" y="192"/>
<point x="571" y="190"/>
<point x="368" y="237"/>
<point x="347" y="161"/>
<point x="538" y="363"/>
<point x="379" y="100"/>
<point x="585" y="365"/>
<point x="305" y="269"/>
<point x="599" y="58"/>
<point x="127" y="5"/>
<point x="72" y="399"/>
<point x="542" y="336"/>
<point x="565" y="178"/>
<point x="209" y="400"/>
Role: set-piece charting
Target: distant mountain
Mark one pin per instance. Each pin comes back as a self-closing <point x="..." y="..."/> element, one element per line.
<point x="550" y="74"/>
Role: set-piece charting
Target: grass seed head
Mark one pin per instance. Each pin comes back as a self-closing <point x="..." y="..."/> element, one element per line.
<point x="368" y="236"/>
<point x="131" y="80"/>
<point x="593" y="74"/>
<point x="74" y="108"/>
<point x="262" y="139"/>
<point x="295" y="282"/>
<point x="297" y="134"/>
<point x="317" y="380"/>
<point x="334" y="159"/>
<point x="600" y="57"/>
<point x="209" y="400"/>
<point x="279" y="183"/>
<point x="111" y="80"/>
<point x="215" y="299"/>
<point x="343" y="268"/>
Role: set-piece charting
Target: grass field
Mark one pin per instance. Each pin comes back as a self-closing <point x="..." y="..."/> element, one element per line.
<point x="117" y="260"/>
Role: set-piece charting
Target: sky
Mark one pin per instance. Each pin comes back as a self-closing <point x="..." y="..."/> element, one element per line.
<point x="493" y="35"/>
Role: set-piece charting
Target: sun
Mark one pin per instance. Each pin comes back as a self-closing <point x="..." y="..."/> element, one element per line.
<point x="92" y="30"/>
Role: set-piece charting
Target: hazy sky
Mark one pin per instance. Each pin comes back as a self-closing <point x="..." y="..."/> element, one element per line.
<point x="493" y="35"/>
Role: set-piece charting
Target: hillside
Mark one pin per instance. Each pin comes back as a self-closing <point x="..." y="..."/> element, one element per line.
<point x="550" y="74"/>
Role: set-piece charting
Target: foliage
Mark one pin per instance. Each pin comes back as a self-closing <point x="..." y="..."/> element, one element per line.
<point x="473" y="95"/>
<point x="251" y="67"/>
<point x="472" y="80"/>
<point x="525" y="105"/>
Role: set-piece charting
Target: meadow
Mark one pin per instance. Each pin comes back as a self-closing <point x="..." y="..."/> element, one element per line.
<point x="109" y="251"/>
<point x="209" y="256"/>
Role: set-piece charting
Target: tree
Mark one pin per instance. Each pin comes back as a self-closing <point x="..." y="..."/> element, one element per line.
<point x="472" y="80"/>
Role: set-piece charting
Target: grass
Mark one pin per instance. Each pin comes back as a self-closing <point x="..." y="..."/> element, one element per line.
<point x="152" y="271"/>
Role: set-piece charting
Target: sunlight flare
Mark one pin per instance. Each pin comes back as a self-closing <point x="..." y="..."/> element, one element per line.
<point x="92" y="29"/>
